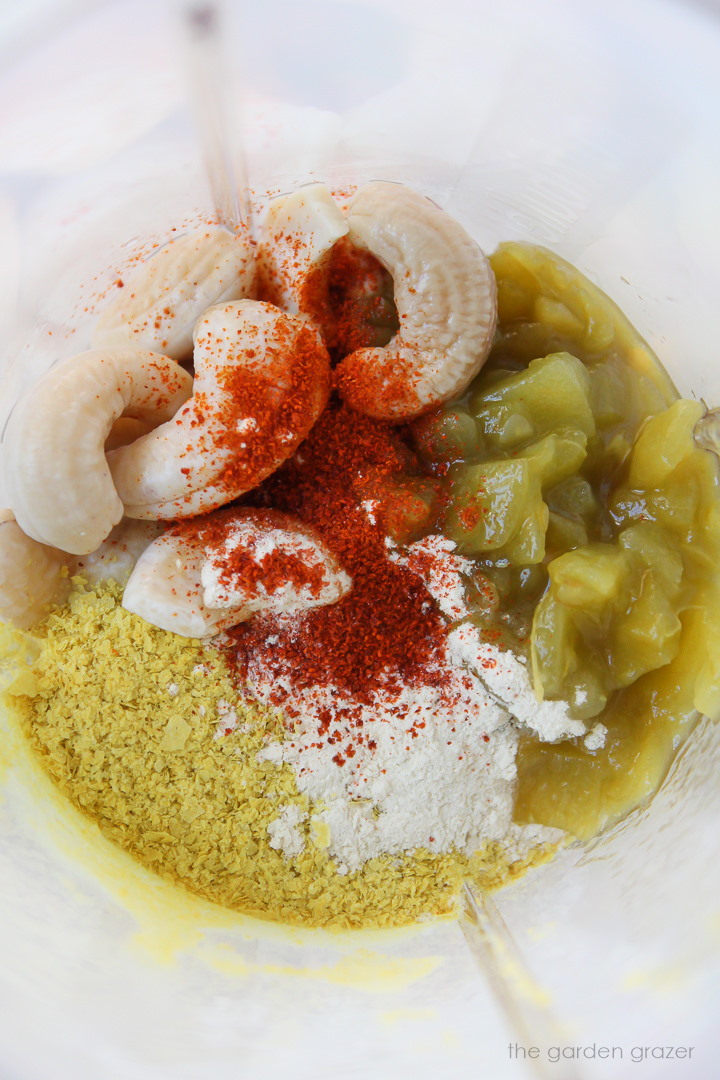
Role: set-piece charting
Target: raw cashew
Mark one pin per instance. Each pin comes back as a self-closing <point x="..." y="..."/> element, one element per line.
<point x="213" y="573"/>
<point x="262" y="378"/>
<point x="58" y="481"/>
<point x="33" y="577"/>
<point x="158" y="306"/>
<point x="298" y="232"/>
<point x="115" y="558"/>
<point x="125" y="430"/>
<point x="446" y="300"/>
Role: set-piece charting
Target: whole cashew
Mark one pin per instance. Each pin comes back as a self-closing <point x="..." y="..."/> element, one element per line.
<point x="58" y="481"/>
<point x="160" y="303"/>
<point x="32" y="576"/>
<point x="125" y="430"/>
<point x="116" y="557"/>
<point x="262" y="378"/>
<point x="213" y="573"/>
<point x="297" y="234"/>
<point x="446" y="300"/>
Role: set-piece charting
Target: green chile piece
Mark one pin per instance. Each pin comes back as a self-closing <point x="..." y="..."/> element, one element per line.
<point x="563" y="666"/>
<point x="655" y="549"/>
<point x="498" y="506"/>
<point x="609" y="393"/>
<point x="558" y="316"/>
<point x="574" y="514"/>
<point x="451" y="434"/>
<point x="527" y="546"/>
<point x="556" y="457"/>
<point x="551" y="394"/>
<point x="551" y="459"/>
<point x="482" y="596"/>
<point x="565" y="534"/>
<point x="648" y="636"/>
<point x="671" y="480"/>
<point x="609" y="616"/>
<point x="573" y="498"/>
<point x="489" y="503"/>
<point x="590" y="579"/>
<point x="621" y="396"/>
<point x="665" y="441"/>
<point x="545" y="304"/>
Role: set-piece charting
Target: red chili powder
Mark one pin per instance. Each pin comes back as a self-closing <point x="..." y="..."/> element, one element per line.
<point x="349" y="296"/>
<point x="241" y="568"/>
<point x="386" y="631"/>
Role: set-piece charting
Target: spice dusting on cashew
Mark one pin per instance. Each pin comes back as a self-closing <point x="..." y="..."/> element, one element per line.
<point x="262" y="378"/>
<point x="314" y="631"/>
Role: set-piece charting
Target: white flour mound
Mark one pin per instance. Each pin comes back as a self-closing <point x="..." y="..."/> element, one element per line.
<point x="433" y="765"/>
<point x="438" y="786"/>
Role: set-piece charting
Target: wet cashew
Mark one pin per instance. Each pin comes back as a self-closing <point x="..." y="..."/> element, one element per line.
<point x="58" y="481"/>
<point x="213" y="573"/>
<point x="262" y="378"/>
<point x="298" y="232"/>
<point x="33" y="577"/>
<point x="115" y="558"/>
<point x="446" y="300"/>
<point x="159" y="304"/>
<point x="125" y="430"/>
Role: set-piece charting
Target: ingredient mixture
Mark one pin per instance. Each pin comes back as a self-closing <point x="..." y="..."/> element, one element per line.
<point x="410" y="580"/>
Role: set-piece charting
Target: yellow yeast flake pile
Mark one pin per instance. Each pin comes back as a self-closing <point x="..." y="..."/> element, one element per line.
<point x="124" y="717"/>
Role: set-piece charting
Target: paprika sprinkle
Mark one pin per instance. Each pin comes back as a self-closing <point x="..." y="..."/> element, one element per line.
<point x="386" y="631"/>
<point x="350" y="297"/>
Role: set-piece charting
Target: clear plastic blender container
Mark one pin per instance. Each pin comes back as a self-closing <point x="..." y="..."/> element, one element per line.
<point x="589" y="128"/>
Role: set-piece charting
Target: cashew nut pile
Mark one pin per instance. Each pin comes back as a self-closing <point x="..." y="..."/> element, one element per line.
<point x="122" y="431"/>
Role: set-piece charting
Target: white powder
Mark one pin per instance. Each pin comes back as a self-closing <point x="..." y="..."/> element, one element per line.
<point x="246" y="425"/>
<point x="228" y="719"/>
<point x="441" y="570"/>
<point x="507" y="678"/>
<point x="284" y="831"/>
<point x="519" y="840"/>
<point x="443" y="573"/>
<point x="435" y="768"/>
<point x="429" y="766"/>
<point x="595" y="737"/>
<point x="370" y="507"/>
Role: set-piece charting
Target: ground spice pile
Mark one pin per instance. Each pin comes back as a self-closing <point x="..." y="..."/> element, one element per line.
<point x="386" y="631"/>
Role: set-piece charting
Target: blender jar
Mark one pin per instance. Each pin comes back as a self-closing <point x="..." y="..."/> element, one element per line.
<point x="591" y="129"/>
